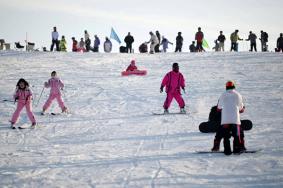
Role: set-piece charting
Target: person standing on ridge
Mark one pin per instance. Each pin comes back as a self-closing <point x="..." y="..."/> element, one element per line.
<point x="129" y="39"/>
<point x="153" y="42"/>
<point x="199" y="38"/>
<point x="263" y="39"/>
<point x="156" y="48"/>
<point x="165" y="43"/>
<point x="252" y="38"/>
<point x="96" y="44"/>
<point x="234" y="37"/>
<point x="221" y="39"/>
<point x="55" y="36"/>
<point x="280" y="43"/>
<point x="87" y="41"/>
<point x="179" y="42"/>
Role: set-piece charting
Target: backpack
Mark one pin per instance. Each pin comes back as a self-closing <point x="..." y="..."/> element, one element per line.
<point x="265" y="36"/>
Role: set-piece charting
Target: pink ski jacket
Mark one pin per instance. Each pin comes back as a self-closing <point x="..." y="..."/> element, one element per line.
<point x="173" y="82"/>
<point x="23" y="95"/>
<point x="55" y="84"/>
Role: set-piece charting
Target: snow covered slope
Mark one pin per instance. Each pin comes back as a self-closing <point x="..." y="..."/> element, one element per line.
<point x="111" y="139"/>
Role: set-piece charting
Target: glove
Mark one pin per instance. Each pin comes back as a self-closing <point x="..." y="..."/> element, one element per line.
<point x="161" y="89"/>
<point x="184" y="89"/>
<point x="242" y="110"/>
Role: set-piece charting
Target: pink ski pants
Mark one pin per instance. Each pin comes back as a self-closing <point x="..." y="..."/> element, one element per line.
<point x="20" y="106"/>
<point x="51" y="98"/>
<point x="178" y="98"/>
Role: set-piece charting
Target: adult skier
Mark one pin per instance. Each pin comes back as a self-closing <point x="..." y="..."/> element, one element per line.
<point x="179" y="42"/>
<point x="252" y="38"/>
<point x="234" y="37"/>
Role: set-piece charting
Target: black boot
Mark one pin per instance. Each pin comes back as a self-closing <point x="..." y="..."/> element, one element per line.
<point x="239" y="147"/>
<point x="227" y="147"/>
<point x="216" y="145"/>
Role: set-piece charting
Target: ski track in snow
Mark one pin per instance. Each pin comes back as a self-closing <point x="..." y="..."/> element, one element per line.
<point x="111" y="139"/>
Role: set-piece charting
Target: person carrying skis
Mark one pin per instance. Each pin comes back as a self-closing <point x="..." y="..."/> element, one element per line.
<point x="55" y="85"/>
<point x="199" y="39"/>
<point x="252" y="38"/>
<point x="129" y="39"/>
<point x="173" y="81"/>
<point x="63" y="44"/>
<point x="231" y="105"/>
<point x="24" y="97"/>
<point x="179" y="42"/>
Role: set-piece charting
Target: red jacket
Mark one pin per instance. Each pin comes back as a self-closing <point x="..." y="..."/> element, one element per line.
<point x="173" y="81"/>
<point x="131" y="68"/>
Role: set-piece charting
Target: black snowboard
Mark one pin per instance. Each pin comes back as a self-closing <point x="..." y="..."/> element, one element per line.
<point x="212" y="126"/>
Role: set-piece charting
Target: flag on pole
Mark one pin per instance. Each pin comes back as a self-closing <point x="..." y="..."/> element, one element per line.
<point x="205" y="44"/>
<point x="114" y="35"/>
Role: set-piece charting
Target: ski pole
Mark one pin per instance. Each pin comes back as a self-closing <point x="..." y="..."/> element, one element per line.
<point x="40" y="96"/>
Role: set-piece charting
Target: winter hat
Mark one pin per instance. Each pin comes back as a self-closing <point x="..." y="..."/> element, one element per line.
<point x="133" y="62"/>
<point x="230" y="85"/>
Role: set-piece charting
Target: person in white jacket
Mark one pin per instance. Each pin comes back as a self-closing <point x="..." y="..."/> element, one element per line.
<point x="153" y="42"/>
<point x="231" y="105"/>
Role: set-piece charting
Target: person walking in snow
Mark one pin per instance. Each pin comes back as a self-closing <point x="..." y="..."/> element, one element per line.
<point x="23" y="96"/>
<point x="96" y="44"/>
<point x="199" y="38"/>
<point x="231" y="105"/>
<point x="87" y="41"/>
<point x="55" y="36"/>
<point x="55" y="85"/>
<point x="153" y="42"/>
<point x="63" y="44"/>
<point x="129" y="39"/>
<point x="179" y="42"/>
<point x="221" y="38"/>
<point x="173" y="81"/>
<point x="107" y="45"/>
<point x="252" y="38"/>
<point x="165" y="43"/>
<point x="234" y="37"/>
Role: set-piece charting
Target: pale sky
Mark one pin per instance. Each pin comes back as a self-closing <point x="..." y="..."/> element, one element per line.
<point x="72" y="17"/>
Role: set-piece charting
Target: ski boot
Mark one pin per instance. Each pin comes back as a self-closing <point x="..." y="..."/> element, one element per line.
<point x="216" y="146"/>
<point x="33" y="125"/>
<point x="13" y="126"/>
<point x="182" y="110"/>
<point x="238" y="147"/>
<point x="65" y="110"/>
<point x="166" y="111"/>
<point x="227" y="147"/>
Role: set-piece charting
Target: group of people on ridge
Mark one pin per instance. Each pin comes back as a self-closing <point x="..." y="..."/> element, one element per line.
<point x="155" y="41"/>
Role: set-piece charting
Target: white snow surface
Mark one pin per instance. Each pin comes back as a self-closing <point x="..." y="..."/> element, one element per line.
<point x="111" y="139"/>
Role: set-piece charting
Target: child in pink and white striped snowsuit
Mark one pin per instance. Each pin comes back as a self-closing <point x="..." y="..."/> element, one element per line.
<point x="24" y="97"/>
<point x="55" y="85"/>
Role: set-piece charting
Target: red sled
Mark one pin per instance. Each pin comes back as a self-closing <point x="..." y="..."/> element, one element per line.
<point x="135" y="72"/>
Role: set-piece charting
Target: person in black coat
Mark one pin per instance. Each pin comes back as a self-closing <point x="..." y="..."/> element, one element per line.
<point x="156" y="48"/>
<point x="179" y="42"/>
<point x="280" y="43"/>
<point x="129" y="39"/>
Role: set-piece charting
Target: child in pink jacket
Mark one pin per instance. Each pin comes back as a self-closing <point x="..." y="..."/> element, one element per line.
<point x="173" y="81"/>
<point x="55" y="85"/>
<point x="132" y="66"/>
<point x="24" y="97"/>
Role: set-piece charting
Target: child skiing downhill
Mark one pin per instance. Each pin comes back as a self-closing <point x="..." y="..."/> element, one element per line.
<point x="24" y="97"/>
<point x="173" y="81"/>
<point x="55" y="85"/>
<point x="231" y="105"/>
<point x="132" y="66"/>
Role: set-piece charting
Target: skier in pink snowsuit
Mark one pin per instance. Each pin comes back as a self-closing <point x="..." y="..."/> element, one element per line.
<point x="56" y="85"/>
<point x="173" y="81"/>
<point x="24" y="97"/>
